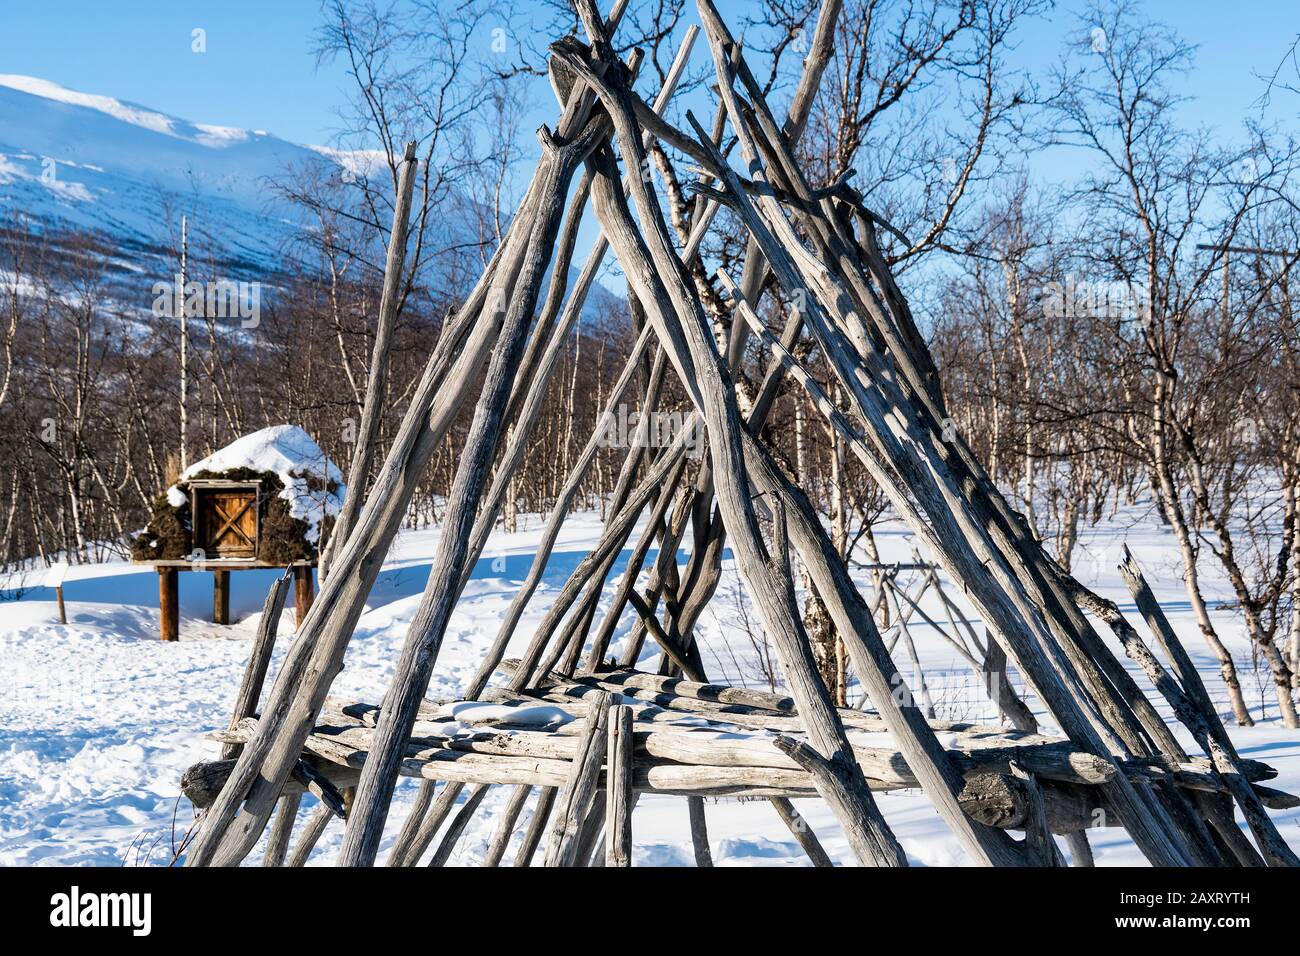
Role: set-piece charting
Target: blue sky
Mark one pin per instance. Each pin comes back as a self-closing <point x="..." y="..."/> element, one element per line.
<point x="259" y="71"/>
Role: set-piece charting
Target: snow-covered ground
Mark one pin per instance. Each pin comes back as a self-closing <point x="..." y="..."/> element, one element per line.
<point x="98" y="718"/>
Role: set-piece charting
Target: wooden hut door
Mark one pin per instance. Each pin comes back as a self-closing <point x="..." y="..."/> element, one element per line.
<point x="226" y="522"/>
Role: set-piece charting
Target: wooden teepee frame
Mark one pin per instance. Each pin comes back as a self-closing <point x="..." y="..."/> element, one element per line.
<point x="1118" y="763"/>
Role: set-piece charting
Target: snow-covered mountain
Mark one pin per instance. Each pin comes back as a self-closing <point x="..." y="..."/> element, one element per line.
<point x="82" y="161"/>
<point x="78" y="160"/>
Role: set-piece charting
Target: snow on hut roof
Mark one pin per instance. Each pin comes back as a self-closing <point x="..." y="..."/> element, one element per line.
<point x="293" y="456"/>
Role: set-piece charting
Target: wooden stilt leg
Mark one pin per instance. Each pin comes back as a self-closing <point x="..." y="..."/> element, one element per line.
<point x="169" y="607"/>
<point x="220" y="597"/>
<point x="304" y="591"/>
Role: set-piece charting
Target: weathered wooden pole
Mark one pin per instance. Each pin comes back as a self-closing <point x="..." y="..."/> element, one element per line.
<point x="1191" y="704"/>
<point x="618" y="788"/>
<point x="570" y="488"/>
<point x="801" y="831"/>
<point x="408" y="853"/>
<point x="411" y="825"/>
<point x="536" y="825"/>
<point x="562" y="153"/>
<point x="311" y="835"/>
<point x="367" y="433"/>
<point x="506" y="827"/>
<point x="238" y="816"/>
<point x="458" y="824"/>
<point x="259" y="659"/>
<point x="1061" y="674"/>
<point x="277" y="840"/>
<point x="576" y="796"/>
<point x="699" y="832"/>
<point x="657" y="278"/>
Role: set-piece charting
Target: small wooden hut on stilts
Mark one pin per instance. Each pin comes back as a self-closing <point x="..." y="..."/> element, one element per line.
<point x="570" y="719"/>
<point x="263" y="501"/>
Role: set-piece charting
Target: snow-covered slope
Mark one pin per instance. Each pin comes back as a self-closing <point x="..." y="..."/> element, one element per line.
<point x="74" y="160"/>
